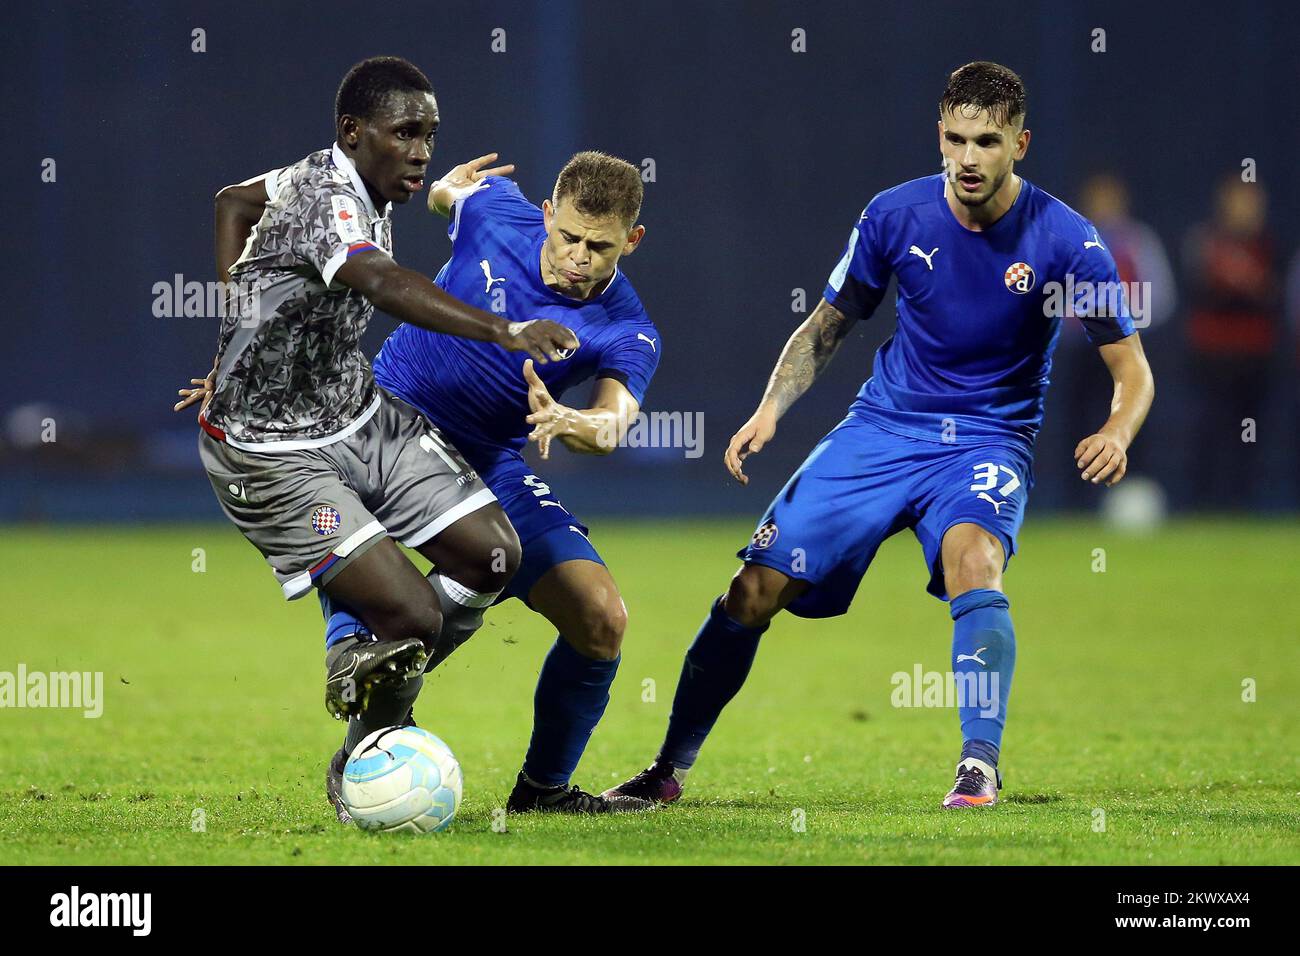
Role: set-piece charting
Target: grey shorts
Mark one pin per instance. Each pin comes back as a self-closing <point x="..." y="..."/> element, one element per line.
<point x="311" y="511"/>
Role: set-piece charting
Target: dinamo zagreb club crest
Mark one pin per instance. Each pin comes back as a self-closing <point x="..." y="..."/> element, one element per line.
<point x="1019" y="277"/>
<point x="764" y="536"/>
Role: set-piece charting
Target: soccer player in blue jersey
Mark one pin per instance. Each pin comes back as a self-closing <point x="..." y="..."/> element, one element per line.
<point x="522" y="262"/>
<point x="940" y="438"/>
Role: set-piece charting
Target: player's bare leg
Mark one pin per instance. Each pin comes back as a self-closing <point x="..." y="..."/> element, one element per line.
<point x="581" y="599"/>
<point x="983" y="658"/>
<point x="714" y="671"/>
<point x="758" y="593"/>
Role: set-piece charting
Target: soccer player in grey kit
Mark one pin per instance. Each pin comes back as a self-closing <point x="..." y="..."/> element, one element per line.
<point x="320" y="468"/>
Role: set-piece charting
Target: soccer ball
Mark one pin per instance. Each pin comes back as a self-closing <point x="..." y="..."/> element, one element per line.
<point x="402" y="779"/>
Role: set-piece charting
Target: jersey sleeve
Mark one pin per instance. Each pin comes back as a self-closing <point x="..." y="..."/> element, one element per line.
<point x="271" y="181"/>
<point x="632" y="359"/>
<point x="496" y="199"/>
<point x="330" y="227"/>
<point x="859" y="281"/>
<point x="1099" y="299"/>
<point x="467" y="208"/>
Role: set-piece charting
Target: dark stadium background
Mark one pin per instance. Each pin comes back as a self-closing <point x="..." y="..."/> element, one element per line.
<point x="763" y="159"/>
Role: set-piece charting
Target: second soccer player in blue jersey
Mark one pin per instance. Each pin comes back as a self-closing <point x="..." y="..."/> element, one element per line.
<point x="940" y="438"/>
<point x="559" y="261"/>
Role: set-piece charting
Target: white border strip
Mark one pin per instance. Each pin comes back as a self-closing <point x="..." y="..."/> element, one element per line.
<point x="357" y="538"/>
<point x="271" y="447"/>
<point x="479" y="499"/>
<point x="300" y="584"/>
<point x="296" y="586"/>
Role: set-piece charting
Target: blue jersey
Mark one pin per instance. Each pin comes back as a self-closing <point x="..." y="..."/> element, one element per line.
<point x="475" y="391"/>
<point x="978" y="312"/>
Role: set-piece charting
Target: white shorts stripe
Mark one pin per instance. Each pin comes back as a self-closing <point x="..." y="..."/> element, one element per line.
<point x="358" y="538"/>
<point x="300" y="584"/>
<point x="296" y="586"/>
<point x="475" y="501"/>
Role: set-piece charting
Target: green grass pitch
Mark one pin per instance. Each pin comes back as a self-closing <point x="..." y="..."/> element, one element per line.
<point x="1128" y="742"/>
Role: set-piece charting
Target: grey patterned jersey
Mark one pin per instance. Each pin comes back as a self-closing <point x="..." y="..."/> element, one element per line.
<point x="290" y="371"/>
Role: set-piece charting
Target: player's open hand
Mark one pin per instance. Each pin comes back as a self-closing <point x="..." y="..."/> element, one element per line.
<point x="751" y="438"/>
<point x="460" y="179"/>
<point x="201" y="392"/>
<point x="1102" y="458"/>
<point x="549" y="418"/>
<point x="543" y="339"/>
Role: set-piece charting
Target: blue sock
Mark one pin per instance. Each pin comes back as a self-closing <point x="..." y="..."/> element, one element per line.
<point x="715" y="668"/>
<point x="983" y="638"/>
<point x="340" y="622"/>
<point x="572" y="691"/>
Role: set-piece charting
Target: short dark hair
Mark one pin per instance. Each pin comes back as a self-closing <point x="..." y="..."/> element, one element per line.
<point x="600" y="185"/>
<point x="987" y="86"/>
<point x="369" y="83"/>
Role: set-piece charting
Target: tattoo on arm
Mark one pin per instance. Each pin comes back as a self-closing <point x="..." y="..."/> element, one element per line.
<point x="807" y="352"/>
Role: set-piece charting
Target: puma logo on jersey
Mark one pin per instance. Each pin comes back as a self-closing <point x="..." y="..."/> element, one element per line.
<point x="974" y="657"/>
<point x="645" y="338"/>
<point x="1094" y="242"/>
<point x="997" y="505"/>
<point x="487" y="272"/>
<point x="916" y="251"/>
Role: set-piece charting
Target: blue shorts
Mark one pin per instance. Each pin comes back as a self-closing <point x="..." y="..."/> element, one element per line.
<point x="548" y="533"/>
<point x="862" y="484"/>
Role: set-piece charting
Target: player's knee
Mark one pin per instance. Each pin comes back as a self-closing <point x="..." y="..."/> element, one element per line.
<point x="504" y="554"/>
<point x="604" y="622"/>
<point x="751" y="601"/>
<point x="975" y="567"/>
<point x="496" y="557"/>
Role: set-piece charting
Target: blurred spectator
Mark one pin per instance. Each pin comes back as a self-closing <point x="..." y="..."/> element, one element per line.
<point x="1138" y="252"/>
<point x="1234" y="332"/>
<point x="1081" y="386"/>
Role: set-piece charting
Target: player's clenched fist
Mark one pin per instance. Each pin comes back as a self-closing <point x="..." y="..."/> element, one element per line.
<point x="751" y="438"/>
<point x="1101" y="458"/>
<point x="543" y="339"/>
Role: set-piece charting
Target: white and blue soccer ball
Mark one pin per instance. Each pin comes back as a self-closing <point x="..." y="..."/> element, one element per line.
<point x="402" y="779"/>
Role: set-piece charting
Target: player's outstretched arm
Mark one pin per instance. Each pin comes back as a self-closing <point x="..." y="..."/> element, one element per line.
<point x="808" y="351"/>
<point x="597" y="430"/>
<point x="1103" y="456"/>
<point x="411" y="297"/>
<point x="461" y="181"/>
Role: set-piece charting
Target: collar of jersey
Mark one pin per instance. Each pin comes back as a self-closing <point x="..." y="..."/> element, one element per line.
<point x="536" y="256"/>
<point x="1013" y="212"/>
<point x="342" y="161"/>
